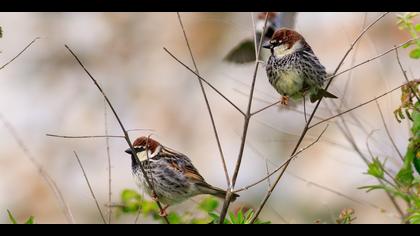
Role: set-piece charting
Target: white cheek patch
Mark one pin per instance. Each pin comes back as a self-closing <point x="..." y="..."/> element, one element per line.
<point x="144" y="156"/>
<point x="281" y="51"/>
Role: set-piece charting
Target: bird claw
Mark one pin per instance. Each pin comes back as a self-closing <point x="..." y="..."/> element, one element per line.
<point x="284" y="100"/>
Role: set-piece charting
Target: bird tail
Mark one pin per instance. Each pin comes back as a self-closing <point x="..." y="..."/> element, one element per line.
<point x="321" y="93"/>
<point x="220" y="193"/>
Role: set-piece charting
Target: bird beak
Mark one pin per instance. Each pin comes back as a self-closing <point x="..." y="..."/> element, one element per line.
<point x="129" y="151"/>
<point x="267" y="45"/>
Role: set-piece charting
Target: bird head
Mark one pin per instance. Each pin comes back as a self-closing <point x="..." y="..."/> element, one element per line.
<point x="285" y="41"/>
<point x="145" y="148"/>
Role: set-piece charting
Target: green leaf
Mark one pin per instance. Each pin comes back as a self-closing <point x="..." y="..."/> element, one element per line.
<point x="11" y="218"/>
<point x="131" y="201"/>
<point x="208" y="204"/>
<point x="174" y="218"/>
<point x="30" y="221"/>
<point x="240" y="217"/>
<point x="416" y="163"/>
<point x="415" y="54"/>
<point x="376" y="169"/>
<point x="390" y="190"/>
<point x="405" y="176"/>
<point x="232" y="218"/>
<point x="414" y="218"/>
<point x="417" y="27"/>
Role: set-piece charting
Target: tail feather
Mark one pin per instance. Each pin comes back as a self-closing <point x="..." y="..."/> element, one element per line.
<point x="321" y="93"/>
<point x="218" y="192"/>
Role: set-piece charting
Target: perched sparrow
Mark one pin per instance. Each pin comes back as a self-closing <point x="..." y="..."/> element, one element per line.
<point x="293" y="69"/>
<point x="171" y="173"/>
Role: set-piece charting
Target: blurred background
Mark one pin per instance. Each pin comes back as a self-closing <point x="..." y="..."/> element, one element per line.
<point x="46" y="91"/>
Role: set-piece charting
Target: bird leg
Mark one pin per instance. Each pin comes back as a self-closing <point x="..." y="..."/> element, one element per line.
<point x="284" y="100"/>
<point x="162" y="212"/>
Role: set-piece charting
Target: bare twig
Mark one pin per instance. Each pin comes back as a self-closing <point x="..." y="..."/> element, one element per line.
<point x="267" y="172"/>
<point x="358" y="106"/>
<point x="205" y="81"/>
<point x="305" y="130"/>
<point x="84" y="136"/>
<point x="90" y="187"/>
<point x="219" y="146"/>
<point x="265" y="108"/>
<point x="388" y="133"/>
<point x="284" y="164"/>
<point x="353" y="62"/>
<point x="108" y="154"/>
<point x="369" y="60"/>
<point x="127" y="138"/>
<point x="20" y="53"/>
<point x="48" y="179"/>
<point x="247" y="119"/>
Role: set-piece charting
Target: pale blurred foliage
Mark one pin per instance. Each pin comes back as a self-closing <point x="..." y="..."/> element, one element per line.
<point x="45" y="91"/>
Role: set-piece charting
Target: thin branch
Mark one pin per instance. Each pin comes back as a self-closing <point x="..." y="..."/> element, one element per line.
<point x="265" y="108"/>
<point x="247" y="119"/>
<point x="356" y="107"/>
<point x="48" y="179"/>
<point x="353" y="62"/>
<point x="219" y="146"/>
<point x="127" y="138"/>
<point x="108" y="154"/>
<point x="284" y="164"/>
<point x="388" y="133"/>
<point x="305" y="130"/>
<point x="20" y="53"/>
<point x="405" y="74"/>
<point x="267" y="172"/>
<point x="205" y="81"/>
<point x="84" y="136"/>
<point x="90" y="187"/>
<point x="369" y="60"/>
<point x="304" y="110"/>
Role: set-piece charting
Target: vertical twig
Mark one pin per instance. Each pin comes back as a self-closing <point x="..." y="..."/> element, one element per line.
<point x="90" y="187"/>
<point x="219" y="146"/>
<point x="108" y="154"/>
<point x="247" y="118"/>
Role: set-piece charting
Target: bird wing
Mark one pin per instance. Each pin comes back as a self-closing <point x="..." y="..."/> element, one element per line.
<point x="181" y="163"/>
<point x="315" y="73"/>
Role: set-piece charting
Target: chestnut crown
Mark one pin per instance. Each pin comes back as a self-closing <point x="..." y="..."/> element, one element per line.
<point x="287" y="38"/>
<point x="144" y="143"/>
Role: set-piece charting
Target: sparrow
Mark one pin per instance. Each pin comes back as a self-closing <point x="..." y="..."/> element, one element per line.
<point x="171" y="173"/>
<point x="293" y="69"/>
